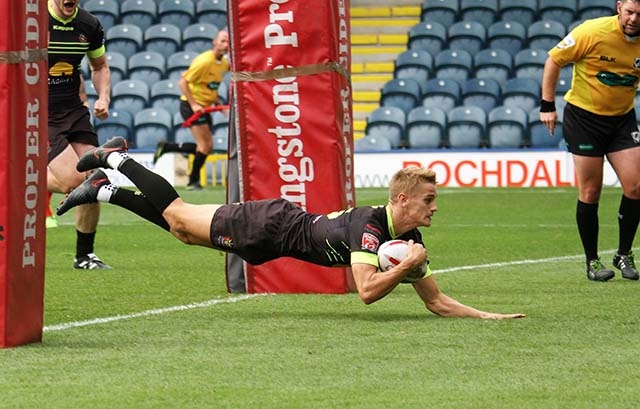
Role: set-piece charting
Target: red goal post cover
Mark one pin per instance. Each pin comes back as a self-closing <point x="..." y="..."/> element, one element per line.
<point x="290" y="63"/>
<point x="23" y="162"/>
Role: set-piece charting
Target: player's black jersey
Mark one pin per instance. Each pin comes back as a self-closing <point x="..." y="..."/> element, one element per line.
<point x="69" y="41"/>
<point x="330" y="240"/>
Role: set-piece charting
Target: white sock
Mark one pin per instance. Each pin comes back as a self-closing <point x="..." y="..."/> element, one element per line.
<point x="116" y="158"/>
<point x="106" y="191"/>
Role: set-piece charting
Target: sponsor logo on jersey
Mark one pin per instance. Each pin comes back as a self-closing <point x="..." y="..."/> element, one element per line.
<point x="370" y="242"/>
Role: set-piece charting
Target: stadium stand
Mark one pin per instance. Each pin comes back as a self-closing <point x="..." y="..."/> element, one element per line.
<point x="165" y="94"/>
<point x="521" y="92"/>
<point x="220" y="132"/>
<point x="524" y="12"/>
<point x="562" y="11"/>
<point x="529" y="63"/>
<point x="481" y="92"/>
<point x="198" y="37"/>
<point x="152" y="125"/>
<point x="510" y="36"/>
<point x="180" y="13"/>
<point x="588" y="9"/>
<point x="181" y="134"/>
<point x="430" y="36"/>
<point x="507" y="127"/>
<point x="545" y="34"/>
<point x="212" y="12"/>
<point x="370" y="143"/>
<point x="466" y="126"/>
<point x="178" y="62"/>
<point x="403" y="93"/>
<point x="496" y="64"/>
<point x="454" y="64"/>
<point x="441" y="93"/>
<point x="481" y="11"/>
<point x="387" y="123"/>
<point x="147" y="66"/>
<point x="446" y="12"/>
<point x="130" y="95"/>
<point x="165" y="39"/>
<point x="118" y="66"/>
<point x="142" y="13"/>
<point x="539" y="136"/>
<point x="107" y="11"/>
<point x="469" y="36"/>
<point x="118" y="123"/>
<point x="414" y="64"/>
<point x="126" y="39"/>
<point x="426" y="128"/>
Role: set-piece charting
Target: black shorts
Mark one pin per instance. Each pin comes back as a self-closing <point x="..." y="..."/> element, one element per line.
<point x="186" y="112"/>
<point x="253" y="230"/>
<point x="69" y="126"/>
<point x="589" y="134"/>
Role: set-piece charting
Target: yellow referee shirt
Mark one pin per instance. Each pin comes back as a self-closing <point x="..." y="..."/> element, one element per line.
<point x="204" y="75"/>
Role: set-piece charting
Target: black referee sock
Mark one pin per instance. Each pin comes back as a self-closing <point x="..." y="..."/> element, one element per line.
<point x="198" y="162"/>
<point x="588" y="227"/>
<point x="84" y="243"/>
<point x="158" y="191"/>
<point x="138" y="203"/>
<point x="628" y="219"/>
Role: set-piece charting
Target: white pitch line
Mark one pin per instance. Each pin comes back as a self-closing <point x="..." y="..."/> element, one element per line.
<point x="96" y="321"/>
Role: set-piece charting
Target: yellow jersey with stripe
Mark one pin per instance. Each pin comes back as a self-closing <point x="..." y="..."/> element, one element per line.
<point x="204" y="76"/>
<point x="606" y="66"/>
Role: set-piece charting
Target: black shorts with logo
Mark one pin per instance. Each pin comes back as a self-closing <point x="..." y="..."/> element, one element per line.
<point x="589" y="134"/>
<point x="186" y="112"/>
<point x="73" y="125"/>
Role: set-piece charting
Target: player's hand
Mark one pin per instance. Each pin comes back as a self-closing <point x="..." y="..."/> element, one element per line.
<point x="416" y="255"/>
<point x="549" y="119"/>
<point x="101" y="109"/>
<point x="495" y="316"/>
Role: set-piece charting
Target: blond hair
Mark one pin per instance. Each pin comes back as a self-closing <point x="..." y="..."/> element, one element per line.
<point x="405" y="180"/>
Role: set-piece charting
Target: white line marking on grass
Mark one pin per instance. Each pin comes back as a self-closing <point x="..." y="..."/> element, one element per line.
<point x="96" y="321"/>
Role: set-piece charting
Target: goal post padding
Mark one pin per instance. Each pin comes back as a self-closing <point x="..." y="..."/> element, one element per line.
<point x="290" y="63"/>
<point x="23" y="161"/>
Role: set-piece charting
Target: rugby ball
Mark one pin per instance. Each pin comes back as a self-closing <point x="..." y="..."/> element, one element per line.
<point x="391" y="253"/>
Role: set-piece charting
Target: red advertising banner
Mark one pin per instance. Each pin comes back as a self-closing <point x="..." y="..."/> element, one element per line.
<point x="23" y="161"/>
<point x="290" y="67"/>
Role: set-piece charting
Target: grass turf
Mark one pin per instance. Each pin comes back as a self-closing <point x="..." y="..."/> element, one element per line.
<point x="575" y="349"/>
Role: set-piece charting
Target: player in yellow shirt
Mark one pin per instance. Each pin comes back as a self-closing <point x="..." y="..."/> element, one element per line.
<point x="600" y="120"/>
<point x="199" y="85"/>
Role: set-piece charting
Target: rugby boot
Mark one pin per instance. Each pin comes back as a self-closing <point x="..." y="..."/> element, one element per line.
<point x="97" y="157"/>
<point x="625" y="263"/>
<point x="86" y="192"/>
<point x="596" y="271"/>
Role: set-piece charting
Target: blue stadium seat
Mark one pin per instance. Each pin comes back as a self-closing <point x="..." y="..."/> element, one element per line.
<point x="469" y="36"/>
<point x="521" y="92"/>
<point x="402" y="93"/>
<point x="426" y="128"/>
<point x="430" y="36"/>
<point x="180" y="13"/>
<point x="588" y="9"/>
<point x="492" y="63"/>
<point x="212" y="12"/>
<point x="199" y="37"/>
<point x="126" y="39"/>
<point x="388" y="123"/>
<point x="220" y="132"/>
<point x="507" y="127"/>
<point x="524" y="12"/>
<point x="165" y="39"/>
<point x="539" y="136"/>
<point x="178" y="62"/>
<point x="165" y="94"/>
<point x="446" y="12"/>
<point x="117" y="65"/>
<point x="107" y="12"/>
<point x="414" y="64"/>
<point x="563" y="85"/>
<point x="454" y="64"/>
<point x="152" y="125"/>
<point x="481" y="11"/>
<point x="130" y="95"/>
<point x="224" y="89"/>
<point x="147" y="66"/>
<point x="466" y="125"/>
<point x="481" y="92"/>
<point x="142" y="13"/>
<point x="370" y="143"/>
<point x="545" y="34"/>
<point x="181" y="134"/>
<point x="562" y="11"/>
<point x="118" y="123"/>
<point x="507" y="35"/>
<point x="529" y="63"/>
<point x="441" y="93"/>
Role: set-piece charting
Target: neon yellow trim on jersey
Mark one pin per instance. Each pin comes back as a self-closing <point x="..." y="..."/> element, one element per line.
<point x="392" y="232"/>
<point x="98" y="52"/>
<point x="606" y="66"/>
<point x="362" y="257"/>
<point x="54" y="15"/>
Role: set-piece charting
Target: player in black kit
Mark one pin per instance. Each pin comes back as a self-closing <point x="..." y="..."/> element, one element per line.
<point x="260" y="231"/>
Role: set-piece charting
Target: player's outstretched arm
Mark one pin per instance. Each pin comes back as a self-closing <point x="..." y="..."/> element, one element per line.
<point x="441" y="304"/>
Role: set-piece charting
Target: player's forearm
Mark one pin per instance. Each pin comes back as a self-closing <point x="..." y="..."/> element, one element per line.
<point x="101" y="78"/>
<point x="550" y="79"/>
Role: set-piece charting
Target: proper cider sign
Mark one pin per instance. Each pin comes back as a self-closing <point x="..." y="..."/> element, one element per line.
<point x="292" y="98"/>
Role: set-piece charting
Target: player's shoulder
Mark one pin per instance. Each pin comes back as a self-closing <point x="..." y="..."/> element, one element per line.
<point x="85" y="17"/>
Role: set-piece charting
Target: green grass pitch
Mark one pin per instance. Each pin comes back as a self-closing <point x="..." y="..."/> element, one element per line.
<point x="160" y="331"/>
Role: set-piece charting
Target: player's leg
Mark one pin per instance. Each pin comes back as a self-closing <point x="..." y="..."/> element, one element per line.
<point x="626" y="164"/>
<point x="204" y="141"/>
